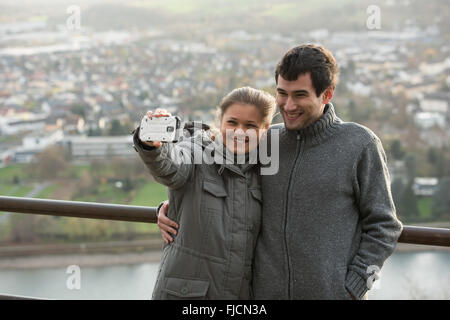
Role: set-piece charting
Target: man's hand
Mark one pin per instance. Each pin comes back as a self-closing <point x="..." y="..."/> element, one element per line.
<point x="166" y="226"/>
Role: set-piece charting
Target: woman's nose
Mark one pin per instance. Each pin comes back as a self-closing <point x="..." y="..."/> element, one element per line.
<point x="240" y="130"/>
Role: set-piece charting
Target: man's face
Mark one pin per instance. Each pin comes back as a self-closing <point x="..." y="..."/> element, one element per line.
<point x="299" y="105"/>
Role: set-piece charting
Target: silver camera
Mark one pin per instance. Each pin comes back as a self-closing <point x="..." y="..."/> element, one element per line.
<point x="164" y="129"/>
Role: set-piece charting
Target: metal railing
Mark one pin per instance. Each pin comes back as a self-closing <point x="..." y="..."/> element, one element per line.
<point x="77" y="209"/>
<point x="15" y="297"/>
<point x="91" y="210"/>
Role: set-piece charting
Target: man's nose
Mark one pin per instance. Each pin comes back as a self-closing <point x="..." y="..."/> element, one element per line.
<point x="289" y="105"/>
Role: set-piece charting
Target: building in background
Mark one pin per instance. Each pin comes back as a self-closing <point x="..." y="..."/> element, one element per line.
<point x="425" y="187"/>
<point x="84" y="148"/>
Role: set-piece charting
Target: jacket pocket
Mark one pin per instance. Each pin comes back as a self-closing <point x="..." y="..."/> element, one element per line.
<point x="215" y="189"/>
<point x="213" y="197"/>
<point x="179" y="288"/>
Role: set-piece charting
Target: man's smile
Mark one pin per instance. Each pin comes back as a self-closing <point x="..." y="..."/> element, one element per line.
<point x="293" y="115"/>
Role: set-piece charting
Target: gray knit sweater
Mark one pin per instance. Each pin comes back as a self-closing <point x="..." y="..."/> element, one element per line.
<point x="328" y="215"/>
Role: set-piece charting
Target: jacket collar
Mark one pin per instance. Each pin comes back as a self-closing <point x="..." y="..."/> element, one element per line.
<point x="230" y="161"/>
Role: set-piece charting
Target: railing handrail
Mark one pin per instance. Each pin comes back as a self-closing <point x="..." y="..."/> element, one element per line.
<point x="425" y="236"/>
<point x="78" y="209"/>
<point x="93" y="210"/>
<point x="16" y="297"/>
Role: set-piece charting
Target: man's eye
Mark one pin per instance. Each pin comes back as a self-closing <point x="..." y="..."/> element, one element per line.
<point x="283" y="94"/>
<point x="231" y="122"/>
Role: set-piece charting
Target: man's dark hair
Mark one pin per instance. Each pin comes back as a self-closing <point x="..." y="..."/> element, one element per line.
<point x="316" y="60"/>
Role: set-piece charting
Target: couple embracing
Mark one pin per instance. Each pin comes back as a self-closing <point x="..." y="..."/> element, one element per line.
<point x="314" y="229"/>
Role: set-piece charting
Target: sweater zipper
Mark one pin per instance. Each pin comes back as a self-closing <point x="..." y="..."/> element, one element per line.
<point x="298" y="149"/>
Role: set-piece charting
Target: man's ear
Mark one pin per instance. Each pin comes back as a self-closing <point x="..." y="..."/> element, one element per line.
<point x="327" y="95"/>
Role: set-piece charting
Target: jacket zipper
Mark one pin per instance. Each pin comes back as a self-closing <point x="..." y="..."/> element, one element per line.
<point x="298" y="149"/>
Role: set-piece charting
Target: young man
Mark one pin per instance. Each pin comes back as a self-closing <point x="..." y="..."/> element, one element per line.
<point x="328" y="218"/>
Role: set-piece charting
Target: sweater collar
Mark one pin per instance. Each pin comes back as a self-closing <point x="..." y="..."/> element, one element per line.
<point x="320" y="130"/>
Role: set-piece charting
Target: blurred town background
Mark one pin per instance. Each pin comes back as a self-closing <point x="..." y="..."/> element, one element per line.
<point x="71" y="95"/>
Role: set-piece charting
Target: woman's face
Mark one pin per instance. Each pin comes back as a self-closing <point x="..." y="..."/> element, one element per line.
<point x="241" y="127"/>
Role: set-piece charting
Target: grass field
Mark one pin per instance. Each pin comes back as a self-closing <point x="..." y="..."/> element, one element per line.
<point x="47" y="192"/>
<point x="107" y="193"/>
<point x="151" y="194"/>
<point x="7" y="189"/>
<point x="425" y="206"/>
<point x="15" y="190"/>
<point x="8" y="173"/>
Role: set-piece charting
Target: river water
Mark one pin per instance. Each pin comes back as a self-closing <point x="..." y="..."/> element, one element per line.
<point x="405" y="275"/>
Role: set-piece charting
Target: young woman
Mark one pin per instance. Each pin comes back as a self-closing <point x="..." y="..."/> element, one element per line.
<point x="217" y="205"/>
